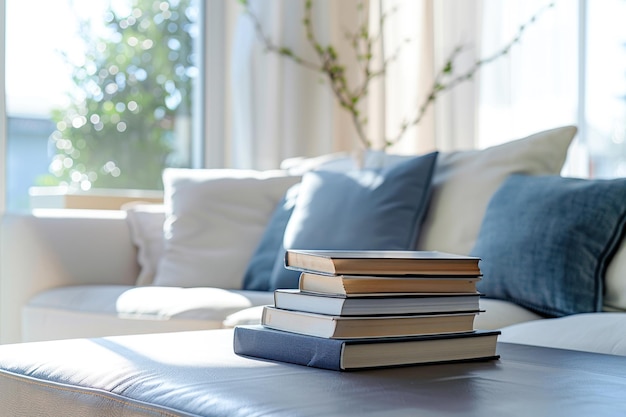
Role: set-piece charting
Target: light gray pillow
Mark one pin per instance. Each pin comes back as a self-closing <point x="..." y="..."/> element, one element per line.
<point x="464" y="182"/>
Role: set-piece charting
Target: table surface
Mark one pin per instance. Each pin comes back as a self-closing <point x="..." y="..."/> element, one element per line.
<point x="197" y="373"/>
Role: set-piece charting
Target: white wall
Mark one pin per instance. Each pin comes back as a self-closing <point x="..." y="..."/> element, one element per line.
<point x="2" y="111"/>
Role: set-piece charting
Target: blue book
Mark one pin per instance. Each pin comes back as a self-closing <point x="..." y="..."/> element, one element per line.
<point x="353" y="354"/>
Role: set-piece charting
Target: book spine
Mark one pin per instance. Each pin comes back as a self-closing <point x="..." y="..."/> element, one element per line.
<point x="288" y="347"/>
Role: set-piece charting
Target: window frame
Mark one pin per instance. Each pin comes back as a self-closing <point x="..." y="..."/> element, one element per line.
<point x="209" y="17"/>
<point x="3" y="119"/>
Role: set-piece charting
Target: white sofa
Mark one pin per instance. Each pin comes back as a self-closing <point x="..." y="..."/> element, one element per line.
<point x="72" y="273"/>
<point x="90" y="273"/>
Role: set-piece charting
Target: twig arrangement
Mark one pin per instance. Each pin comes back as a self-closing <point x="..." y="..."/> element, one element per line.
<point x="362" y="41"/>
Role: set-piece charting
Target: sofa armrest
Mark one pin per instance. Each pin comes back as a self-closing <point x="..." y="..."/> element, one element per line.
<point x="54" y="248"/>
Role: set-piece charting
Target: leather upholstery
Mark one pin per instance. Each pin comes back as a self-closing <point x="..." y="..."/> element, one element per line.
<point x="197" y="374"/>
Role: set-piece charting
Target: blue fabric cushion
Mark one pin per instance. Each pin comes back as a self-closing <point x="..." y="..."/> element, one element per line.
<point x="546" y="241"/>
<point x="261" y="265"/>
<point x="380" y="208"/>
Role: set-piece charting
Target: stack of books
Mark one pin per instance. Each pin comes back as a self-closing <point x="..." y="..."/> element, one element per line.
<point x="369" y="309"/>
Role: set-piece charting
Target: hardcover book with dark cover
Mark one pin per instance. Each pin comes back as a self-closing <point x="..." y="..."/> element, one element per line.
<point x="343" y="354"/>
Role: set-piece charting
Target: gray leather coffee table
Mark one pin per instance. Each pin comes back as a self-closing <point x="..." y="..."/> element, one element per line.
<point x="197" y="374"/>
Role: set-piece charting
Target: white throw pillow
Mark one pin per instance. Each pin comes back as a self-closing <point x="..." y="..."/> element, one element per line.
<point x="145" y="222"/>
<point x="214" y="220"/>
<point x="464" y="182"/>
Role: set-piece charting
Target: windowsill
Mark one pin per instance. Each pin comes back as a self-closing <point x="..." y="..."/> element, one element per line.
<point x="97" y="199"/>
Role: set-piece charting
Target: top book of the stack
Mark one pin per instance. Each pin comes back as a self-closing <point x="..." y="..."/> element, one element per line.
<point x="427" y="263"/>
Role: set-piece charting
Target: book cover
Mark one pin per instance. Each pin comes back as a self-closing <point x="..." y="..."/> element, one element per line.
<point x="381" y="262"/>
<point x="385" y="284"/>
<point x="337" y="354"/>
<point x="351" y="327"/>
<point x="375" y="304"/>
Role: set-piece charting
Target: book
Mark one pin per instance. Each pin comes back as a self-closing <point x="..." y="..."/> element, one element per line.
<point x="375" y="304"/>
<point x="340" y="354"/>
<point x="365" y="284"/>
<point x="381" y="262"/>
<point x="349" y="327"/>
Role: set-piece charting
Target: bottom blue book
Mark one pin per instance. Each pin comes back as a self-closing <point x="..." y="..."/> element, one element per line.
<point x="352" y="354"/>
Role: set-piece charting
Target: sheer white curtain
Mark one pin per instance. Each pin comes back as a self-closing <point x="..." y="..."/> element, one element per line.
<point x="435" y="29"/>
<point x="3" y="117"/>
<point x="274" y="108"/>
<point x="457" y="25"/>
<point x="535" y="86"/>
<point x="532" y="88"/>
<point x="279" y="108"/>
<point x="409" y="37"/>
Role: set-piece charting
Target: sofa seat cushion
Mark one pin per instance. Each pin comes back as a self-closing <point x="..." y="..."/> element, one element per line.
<point x="501" y="313"/>
<point x="101" y="310"/>
<point x="591" y="332"/>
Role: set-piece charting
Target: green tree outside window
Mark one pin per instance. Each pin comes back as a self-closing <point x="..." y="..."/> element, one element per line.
<point x="132" y="95"/>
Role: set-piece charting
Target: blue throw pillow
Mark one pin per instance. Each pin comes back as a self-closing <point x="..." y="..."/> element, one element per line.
<point x="546" y="241"/>
<point x="261" y="265"/>
<point x="364" y="209"/>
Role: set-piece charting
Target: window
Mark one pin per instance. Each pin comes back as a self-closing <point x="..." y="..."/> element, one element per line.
<point x="605" y="88"/>
<point x="99" y="93"/>
<point x="569" y="68"/>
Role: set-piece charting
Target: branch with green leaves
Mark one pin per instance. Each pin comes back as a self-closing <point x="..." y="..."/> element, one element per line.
<point x="362" y="42"/>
